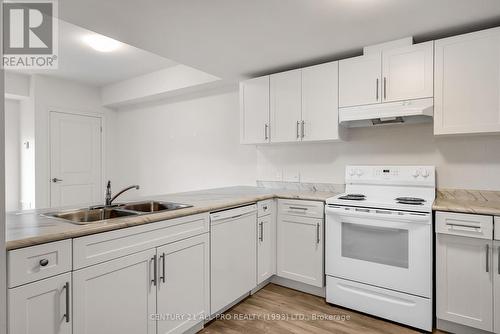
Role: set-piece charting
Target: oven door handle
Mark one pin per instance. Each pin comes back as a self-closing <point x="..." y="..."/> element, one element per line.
<point x="378" y="213"/>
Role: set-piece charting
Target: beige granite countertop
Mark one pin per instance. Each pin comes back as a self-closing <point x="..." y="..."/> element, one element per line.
<point x="28" y="228"/>
<point x="468" y="201"/>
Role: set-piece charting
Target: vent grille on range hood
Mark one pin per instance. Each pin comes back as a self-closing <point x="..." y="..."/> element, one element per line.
<point x="411" y="111"/>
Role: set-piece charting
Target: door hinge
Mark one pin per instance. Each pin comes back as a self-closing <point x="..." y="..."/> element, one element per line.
<point x="101" y="128"/>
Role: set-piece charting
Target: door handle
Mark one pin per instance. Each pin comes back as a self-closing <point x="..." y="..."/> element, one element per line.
<point x="66" y="315"/>
<point x="303" y="134"/>
<point x="298" y="130"/>
<point x="317" y="233"/>
<point x="385" y="88"/>
<point x="261" y="225"/>
<point x="266" y="131"/>
<point x="155" y="269"/>
<point x="55" y="180"/>
<point x="488" y="258"/>
<point x="162" y="277"/>
<point x="376" y="90"/>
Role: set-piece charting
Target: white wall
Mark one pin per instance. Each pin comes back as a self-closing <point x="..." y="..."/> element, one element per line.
<point x="54" y="94"/>
<point x="12" y="155"/>
<point x="181" y="146"/>
<point x="471" y="162"/>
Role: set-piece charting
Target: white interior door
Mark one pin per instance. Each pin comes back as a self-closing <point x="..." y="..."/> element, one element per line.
<point x="75" y="159"/>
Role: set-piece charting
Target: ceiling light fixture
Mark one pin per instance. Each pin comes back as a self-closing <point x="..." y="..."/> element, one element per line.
<point x="102" y="43"/>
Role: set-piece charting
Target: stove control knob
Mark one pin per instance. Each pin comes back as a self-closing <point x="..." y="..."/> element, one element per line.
<point x="416" y="173"/>
<point x="425" y="173"/>
<point x="352" y="172"/>
<point x="359" y="172"/>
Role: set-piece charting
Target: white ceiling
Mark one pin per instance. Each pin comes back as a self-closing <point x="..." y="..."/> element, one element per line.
<point x="237" y="38"/>
<point x="79" y="62"/>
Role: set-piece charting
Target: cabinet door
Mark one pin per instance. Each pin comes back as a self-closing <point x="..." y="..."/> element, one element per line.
<point x="117" y="296"/>
<point x="286" y="91"/>
<point x="464" y="285"/>
<point x="320" y="102"/>
<point x="183" y="286"/>
<point x="496" y="286"/>
<point x="360" y="80"/>
<point x="266" y="247"/>
<point x="408" y="72"/>
<point x="42" y="307"/>
<point x="300" y="249"/>
<point x="233" y="260"/>
<point x="467" y="79"/>
<point x="254" y="111"/>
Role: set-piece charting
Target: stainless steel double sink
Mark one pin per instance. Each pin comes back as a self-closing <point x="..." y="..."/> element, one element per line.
<point x="96" y="214"/>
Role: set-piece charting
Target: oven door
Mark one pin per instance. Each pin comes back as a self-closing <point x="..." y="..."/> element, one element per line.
<point x="385" y="248"/>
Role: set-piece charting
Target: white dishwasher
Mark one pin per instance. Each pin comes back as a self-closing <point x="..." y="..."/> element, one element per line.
<point x="233" y="256"/>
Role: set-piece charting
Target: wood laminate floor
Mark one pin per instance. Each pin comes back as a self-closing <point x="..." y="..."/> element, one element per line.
<point x="279" y="310"/>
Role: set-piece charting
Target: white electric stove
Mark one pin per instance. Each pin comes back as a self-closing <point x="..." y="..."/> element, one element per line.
<point x="379" y="243"/>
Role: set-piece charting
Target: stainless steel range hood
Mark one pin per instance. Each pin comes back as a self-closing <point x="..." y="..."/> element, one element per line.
<point x="407" y="112"/>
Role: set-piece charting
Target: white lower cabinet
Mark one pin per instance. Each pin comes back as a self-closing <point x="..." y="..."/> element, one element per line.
<point x="42" y="307"/>
<point x="117" y="296"/>
<point x="266" y="247"/>
<point x="183" y="298"/>
<point x="233" y="257"/>
<point x="300" y="249"/>
<point x="496" y="283"/>
<point x="464" y="276"/>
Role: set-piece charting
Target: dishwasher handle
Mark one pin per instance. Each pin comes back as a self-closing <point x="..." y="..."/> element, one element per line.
<point x="233" y="214"/>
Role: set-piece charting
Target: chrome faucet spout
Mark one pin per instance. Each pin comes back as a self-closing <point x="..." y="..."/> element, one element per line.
<point x="110" y="200"/>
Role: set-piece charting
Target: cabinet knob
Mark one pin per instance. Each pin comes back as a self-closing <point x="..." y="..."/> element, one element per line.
<point x="44" y="262"/>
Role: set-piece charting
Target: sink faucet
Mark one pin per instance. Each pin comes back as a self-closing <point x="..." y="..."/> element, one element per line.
<point x="109" y="199"/>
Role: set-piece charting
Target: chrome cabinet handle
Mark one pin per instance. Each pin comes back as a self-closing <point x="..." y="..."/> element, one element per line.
<point x="162" y="277"/>
<point x="298" y="208"/>
<point x="376" y="90"/>
<point x="261" y="237"/>
<point x="55" y="180"/>
<point x="66" y="315"/>
<point x="303" y="134"/>
<point x="317" y="233"/>
<point x="298" y="131"/>
<point x="385" y="88"/>
<point x="266" y="131"/>
<point x="488" y="258"/>
<point x="43" y="262"/>
<point x="155" y="269"/>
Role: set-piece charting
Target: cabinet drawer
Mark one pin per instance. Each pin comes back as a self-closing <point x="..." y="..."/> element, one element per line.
<point x="301" y="208"/>
<point x="265" y="208"/>
<point x="97" y="248"/>
<point x="497" y="228"/>
<point x="34" y="263"/>
<point x="467" y="225"/>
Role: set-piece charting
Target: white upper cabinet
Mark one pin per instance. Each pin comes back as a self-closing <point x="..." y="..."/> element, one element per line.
<point x="408" y="72"/>
<point x="254" y="111"/>
<point x="467" y="83"/>
<point x="320" y="113"/>
<point x="360" y="80"/>
<point x="286" y="100"/>
<point x="393" y="74"/>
